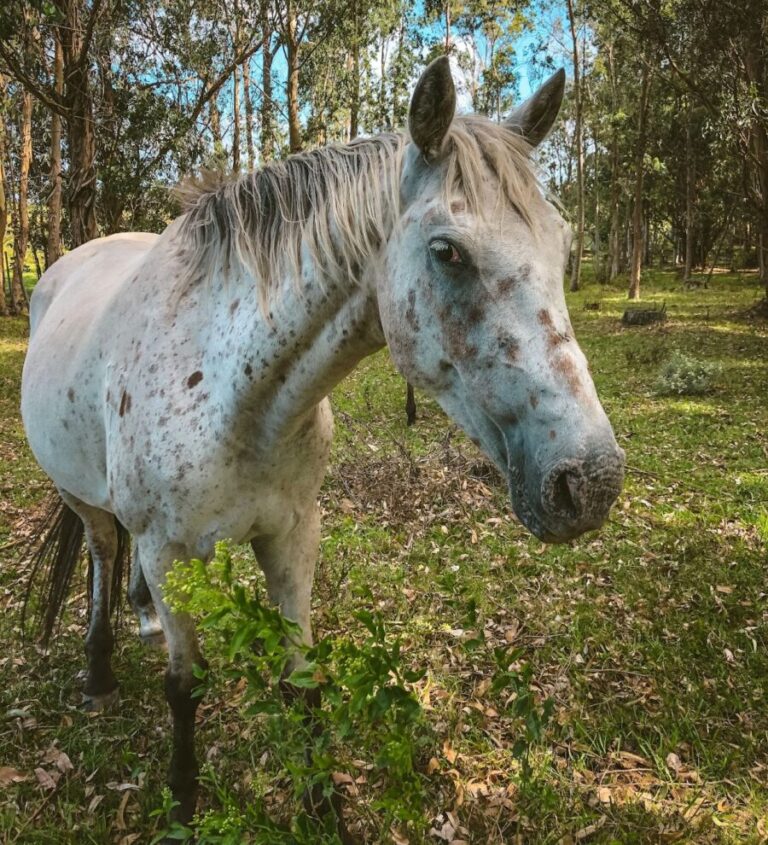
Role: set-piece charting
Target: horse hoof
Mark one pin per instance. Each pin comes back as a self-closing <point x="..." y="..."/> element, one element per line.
<point x="154" y="640"/>
<point x="99" y="703"/>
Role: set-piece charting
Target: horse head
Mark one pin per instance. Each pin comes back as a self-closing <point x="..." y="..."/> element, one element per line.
<point x="472" y="305"/>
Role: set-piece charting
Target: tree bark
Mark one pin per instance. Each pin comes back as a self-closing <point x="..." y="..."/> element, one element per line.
<point x="3" y="205"/>
<point x="53" y="241"/>
<point x="267" y="105"/>
<point x="579" y="144"/>
<point x="354" y="106"/>
<point x="690" y="182"/>
<point x="236" y="120"/>
<point x="81" y="182"/>
<point x="637" y="205"/>
<point x="248" y="114"/>
<point x="21" y="235"/>
<point x="614" y="236"/>
<point x="292" y="51"/>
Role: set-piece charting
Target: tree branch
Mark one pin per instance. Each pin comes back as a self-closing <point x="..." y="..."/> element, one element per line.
<point x="208" y="92"/>
<point x="48" y="98"/>
<point x="95" y="9"/>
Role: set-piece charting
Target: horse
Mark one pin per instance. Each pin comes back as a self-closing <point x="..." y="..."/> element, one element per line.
<point x="175" y="387"/>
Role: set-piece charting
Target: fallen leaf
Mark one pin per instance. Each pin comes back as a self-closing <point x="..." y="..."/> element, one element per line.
<point x="122" y="787"/>
<point x="46" y="779"/>
<point x="448" y="752"/>
<point x="589" y="830"/>
<point x="120" y="818"/>
<point x="10" y="775"/>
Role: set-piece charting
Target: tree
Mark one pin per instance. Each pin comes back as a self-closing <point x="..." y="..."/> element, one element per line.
<point x="579" y="153"/>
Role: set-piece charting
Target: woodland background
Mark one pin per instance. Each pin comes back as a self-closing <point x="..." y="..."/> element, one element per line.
<point x="662" y="158"/>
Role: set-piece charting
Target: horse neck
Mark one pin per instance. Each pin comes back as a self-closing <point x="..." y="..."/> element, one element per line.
<point x="288" y="360"/>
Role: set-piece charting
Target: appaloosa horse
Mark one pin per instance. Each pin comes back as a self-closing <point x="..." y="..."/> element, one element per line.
<point x="176" y="384"/>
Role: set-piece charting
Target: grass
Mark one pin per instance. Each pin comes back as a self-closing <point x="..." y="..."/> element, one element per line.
<point x="651" y="638"/>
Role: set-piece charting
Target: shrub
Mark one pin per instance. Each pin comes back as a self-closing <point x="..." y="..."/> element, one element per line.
<point x="683" y="375"/>
<point x="366" y="699"/>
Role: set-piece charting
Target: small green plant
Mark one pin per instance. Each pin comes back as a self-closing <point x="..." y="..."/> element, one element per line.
<point x="683" y="375"/>
<point x="366" y="700"/>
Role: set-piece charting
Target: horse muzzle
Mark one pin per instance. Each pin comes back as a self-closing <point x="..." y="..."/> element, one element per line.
<point x="570" y="496"/>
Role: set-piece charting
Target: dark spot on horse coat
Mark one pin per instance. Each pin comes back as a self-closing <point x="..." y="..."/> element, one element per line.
<point x="71" y="395"/>
<point x="474" y="315"/>
<point x="125" y="403"/>
<point x="248" y="369"/>
<point x="194" y="379"/>
<point x="534" y="400"/>
<point x="233" y="306"/>
<point x="552" y="434"/>
<point x="567" y="369"/>
<point x="510" y="347"/>
<point x="507" y="285"/>
<point x="410" y="314"/>
<point x="554" y="337"/>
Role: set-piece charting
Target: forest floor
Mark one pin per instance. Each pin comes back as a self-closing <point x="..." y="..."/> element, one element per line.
<point x="650" y="638"/>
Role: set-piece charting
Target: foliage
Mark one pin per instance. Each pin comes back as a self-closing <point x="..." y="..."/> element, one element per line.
<point x="684" y="375"/>
<point x="364" y="685"/>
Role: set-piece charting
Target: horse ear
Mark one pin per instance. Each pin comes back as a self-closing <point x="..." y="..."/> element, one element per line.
<point x="432" y="108"/>
<point x="534" y="118"/>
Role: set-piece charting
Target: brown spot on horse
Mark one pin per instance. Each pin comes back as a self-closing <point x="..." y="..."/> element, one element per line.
<point x="125" y="403"/>
<point x="410" y="315"/>
<point x="564" y="366"/>
<point x="554" y="337"/>
<point x="194" y="379"/>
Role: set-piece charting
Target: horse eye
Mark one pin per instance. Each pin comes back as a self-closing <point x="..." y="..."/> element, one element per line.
<point x="445" y="252"/>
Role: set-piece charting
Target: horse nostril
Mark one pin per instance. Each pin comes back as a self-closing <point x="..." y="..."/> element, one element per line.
<point x="562" y="493"/>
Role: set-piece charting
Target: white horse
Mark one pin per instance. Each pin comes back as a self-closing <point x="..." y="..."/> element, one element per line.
<point x="176" y="384"/>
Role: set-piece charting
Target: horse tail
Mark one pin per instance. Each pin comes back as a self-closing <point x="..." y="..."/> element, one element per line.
<point x="54" y="552"/>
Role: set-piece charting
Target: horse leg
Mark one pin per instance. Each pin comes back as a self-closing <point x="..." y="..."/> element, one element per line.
<point x="180" y="681"/>
<point x="101" y="688"/>
<point x="150" y="629"/>
<point x="288" y="563"/>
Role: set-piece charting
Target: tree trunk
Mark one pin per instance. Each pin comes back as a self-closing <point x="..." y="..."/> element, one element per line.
<point x="248" y="114"/>
<point x="53" y="241"/>
<point x="690" y="182"/>
<point x="81" y="182"/>
<point x="3" y="205"/>
<point x="236" y="120"/>
<point x="755" y="57"/>
<point x="219" y="153"/>
<point x="637" y="204"/>
<point x="579" y="143"/>
<point x="292" y="50"/>
<point x="267" y="105"/>
<point x="81" y="189"/>
<point x="21" y="235"/>
<point x="354" y="106"/>
<point x="614" y="235"/>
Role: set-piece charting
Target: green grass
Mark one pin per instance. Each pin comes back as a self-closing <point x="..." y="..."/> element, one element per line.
<point x="651" y="637"/>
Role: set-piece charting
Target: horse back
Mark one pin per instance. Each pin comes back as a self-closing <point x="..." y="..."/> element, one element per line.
<point x="90" y="271"/>
<point x="72" y="326"/>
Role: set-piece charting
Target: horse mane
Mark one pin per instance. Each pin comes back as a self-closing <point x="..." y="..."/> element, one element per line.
<point x="339" y="202"/>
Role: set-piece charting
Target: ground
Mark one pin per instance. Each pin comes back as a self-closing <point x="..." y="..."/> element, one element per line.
<point x="650" y="638"/>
